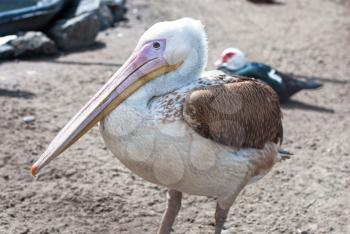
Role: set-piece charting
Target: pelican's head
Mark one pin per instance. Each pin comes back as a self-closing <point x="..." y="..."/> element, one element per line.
<point x="231" y="58"/>
<point x="168" y="56"/>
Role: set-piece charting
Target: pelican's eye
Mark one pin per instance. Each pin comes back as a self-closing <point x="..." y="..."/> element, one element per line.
<point x="156" y="45"/>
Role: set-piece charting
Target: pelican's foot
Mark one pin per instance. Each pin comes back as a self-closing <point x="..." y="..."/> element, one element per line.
<point x="283" y="154"/>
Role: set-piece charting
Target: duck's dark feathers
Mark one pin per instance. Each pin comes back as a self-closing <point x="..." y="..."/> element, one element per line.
<point x="285" y="85"/>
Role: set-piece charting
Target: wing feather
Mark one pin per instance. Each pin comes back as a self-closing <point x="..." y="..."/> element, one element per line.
<point x="240" y="112"/>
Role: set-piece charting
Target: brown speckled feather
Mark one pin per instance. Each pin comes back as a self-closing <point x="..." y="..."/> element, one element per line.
<point x="239" y="112"/>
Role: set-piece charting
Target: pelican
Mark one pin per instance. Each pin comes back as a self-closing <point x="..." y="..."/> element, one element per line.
<point x="198" y="133"/>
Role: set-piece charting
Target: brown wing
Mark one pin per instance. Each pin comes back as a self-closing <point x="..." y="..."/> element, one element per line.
<point x="244" y="113"/>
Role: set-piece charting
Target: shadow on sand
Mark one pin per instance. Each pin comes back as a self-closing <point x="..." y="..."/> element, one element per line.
<point x="267" y="2"/>
<point x="95" y="46"/>
<point x="293" y="104"/>
<point x="48" y="58"/>
<point x="322" y="79"/>
<point x="16" y="93"/>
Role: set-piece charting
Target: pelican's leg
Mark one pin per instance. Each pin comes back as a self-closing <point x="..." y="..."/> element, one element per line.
<point x="220" y="218"/>
<point x="174" y="204"/>
<point x="222" y="208"/>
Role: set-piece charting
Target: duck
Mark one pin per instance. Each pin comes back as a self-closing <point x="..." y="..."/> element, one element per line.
<point x="175" y="125"/>
<point x="233" y="62"/>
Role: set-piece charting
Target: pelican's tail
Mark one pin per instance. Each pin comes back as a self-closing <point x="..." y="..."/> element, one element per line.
<point x="283" y="154"/>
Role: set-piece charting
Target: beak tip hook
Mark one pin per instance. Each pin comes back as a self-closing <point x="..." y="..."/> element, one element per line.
<point x="33" y="170"/>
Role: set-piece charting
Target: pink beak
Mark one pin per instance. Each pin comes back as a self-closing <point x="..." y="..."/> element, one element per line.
<point x="144" y="65"/>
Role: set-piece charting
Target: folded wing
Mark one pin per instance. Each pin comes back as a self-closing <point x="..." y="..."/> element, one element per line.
<point x="238" y="112"/>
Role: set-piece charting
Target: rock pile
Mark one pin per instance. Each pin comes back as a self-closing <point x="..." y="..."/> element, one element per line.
<point x="76" y="26"/>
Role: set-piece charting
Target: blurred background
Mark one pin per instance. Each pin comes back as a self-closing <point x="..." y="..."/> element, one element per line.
<point x="55" y="54"/>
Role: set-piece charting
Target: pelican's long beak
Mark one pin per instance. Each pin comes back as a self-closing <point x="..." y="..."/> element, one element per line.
<point x="144" y="65"/>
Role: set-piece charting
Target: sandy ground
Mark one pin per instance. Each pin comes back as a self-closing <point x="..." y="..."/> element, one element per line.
<point x="87" y="190"/>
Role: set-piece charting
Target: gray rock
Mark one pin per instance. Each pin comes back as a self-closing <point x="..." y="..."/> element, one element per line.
<point x="120" y="3"/>
<point x="117" y="8"/>
<point x="33" y="43"/>
<point x="6" y="52"/>
<point x="86" y="6"/>
<point x="118" y="14"/>
<point x="28" y="119"/>
<point x="79" y="7"/>
<point x="6" y="39"/>
<point x="105" y="17"/>
<point x="76" y="32"/>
